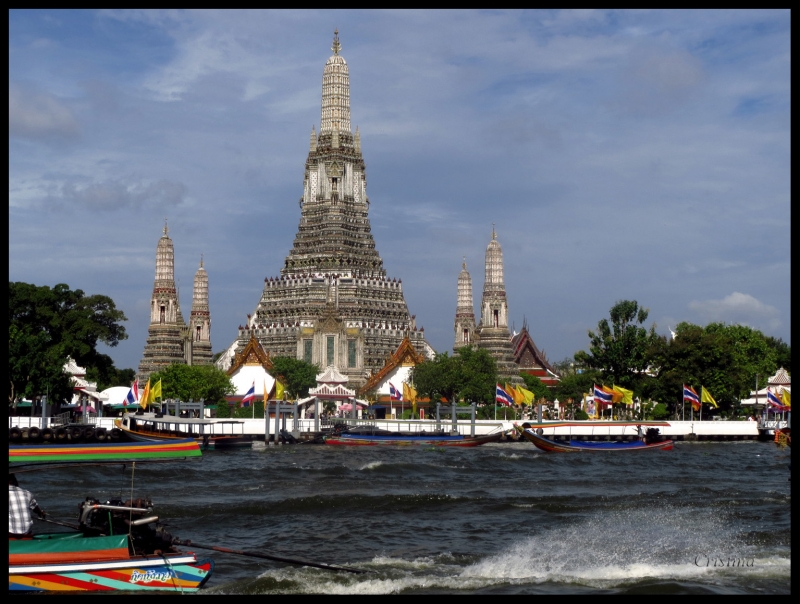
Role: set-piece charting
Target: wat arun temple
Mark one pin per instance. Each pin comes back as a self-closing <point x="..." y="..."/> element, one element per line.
<point x="333" y="303"/>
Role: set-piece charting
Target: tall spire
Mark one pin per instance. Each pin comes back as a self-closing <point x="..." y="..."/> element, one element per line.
<point x="465" y="310"/>
<point x="164" y="344"/>
<point x="200" y="319"/>
<point x="493" y="330"/>
<point x="494" y="266"/>
<point x="335" y="92"/>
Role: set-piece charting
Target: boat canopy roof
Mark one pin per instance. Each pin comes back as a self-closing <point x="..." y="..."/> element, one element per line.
<point x="564" y="424"/>
<point x="184" y="421"/>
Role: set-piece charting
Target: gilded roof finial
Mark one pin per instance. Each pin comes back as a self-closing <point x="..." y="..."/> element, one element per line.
<point x="166" y="230"/>
<point x="336" y="46"/>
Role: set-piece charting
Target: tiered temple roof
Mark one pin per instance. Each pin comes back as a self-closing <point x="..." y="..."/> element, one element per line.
<point x="530" y="359"/>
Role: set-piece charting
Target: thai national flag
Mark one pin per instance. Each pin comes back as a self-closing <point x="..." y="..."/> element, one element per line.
<point x="503" y="397"/>
<point x="133" y="395"/>
<point x="691" y="396"/>
<point x="250" y="396"/>
<point x="601" y="397"/>
<point x="775" y="402"/>
<point x="394" y="393"/>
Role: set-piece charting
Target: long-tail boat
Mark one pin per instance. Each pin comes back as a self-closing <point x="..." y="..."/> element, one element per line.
<point x="371" y="436"/>
<point x="117" y="545"/>
<point x="651" y="439"/>
<point x="151" y="427"/>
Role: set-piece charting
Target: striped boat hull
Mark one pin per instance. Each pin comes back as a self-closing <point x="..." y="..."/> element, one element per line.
<point x="92" y="452"/>
<point x="172" y="573"/>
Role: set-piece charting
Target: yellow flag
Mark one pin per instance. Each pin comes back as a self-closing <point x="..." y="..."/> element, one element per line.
<point x="156" y="392"/>
<point x="266" y="394"/>
<point x="279" y="391"/>
<point x="145" y="395"/>
<point x="627" y="395"/>
<point x="787" y="398"/>
<point x="527" y="395"/>
<point x="410" y="394"/>
<point x="705" y="397"/>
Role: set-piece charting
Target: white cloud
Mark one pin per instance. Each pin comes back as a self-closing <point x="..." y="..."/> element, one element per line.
<point x="38" y="115"/>
<point x="738" y="308"/>
<point x="116" y="195"/>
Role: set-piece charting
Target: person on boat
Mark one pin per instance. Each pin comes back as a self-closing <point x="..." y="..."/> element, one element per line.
<point x="20" y="504"/>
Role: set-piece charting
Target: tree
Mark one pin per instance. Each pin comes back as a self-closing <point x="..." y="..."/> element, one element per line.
<point x="296" y="375"/>
<point x="783" y="352"/>
<point x="535" y="385"/>
<point x="194" y="382"/>
<point x="46" y="326"/>
<point x="110" y="376"/>
<point x="725" y="359"/>
<point x="470" y="374"/>
<point x="619" y="349"/>
<point x="575" y="385"/>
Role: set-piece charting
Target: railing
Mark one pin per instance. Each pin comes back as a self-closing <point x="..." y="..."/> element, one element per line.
<point x="60" y="420"/>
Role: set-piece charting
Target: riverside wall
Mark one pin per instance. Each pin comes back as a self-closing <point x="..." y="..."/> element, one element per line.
<point x="677" y="430"/>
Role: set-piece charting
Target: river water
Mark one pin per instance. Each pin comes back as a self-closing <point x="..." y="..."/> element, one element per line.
<point x="497" y="519"/>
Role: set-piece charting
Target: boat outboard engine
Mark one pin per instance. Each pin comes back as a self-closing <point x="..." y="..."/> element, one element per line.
<point x="652" y="435"/>
<point x="117" y="517"/>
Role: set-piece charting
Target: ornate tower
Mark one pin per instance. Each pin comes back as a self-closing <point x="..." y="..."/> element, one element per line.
<point x="493" y="329"/>
<point x="200" y="319"/>
<point x="165" y="343"/>
<point x="465" y="311"/>
<point x="333" y="303"/>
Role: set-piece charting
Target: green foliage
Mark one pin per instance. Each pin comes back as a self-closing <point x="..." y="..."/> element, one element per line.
<point x="580" y="414"/>
<point x="223" y="409"/>
<point x="535" y="385"/>
<point x="257" y="410"/>
<point x="575" y="385"/>
<point x="470" y="374"/>
<point x="783" y="352"/>
<point x="110" y="377"/>
<point x="297" y="375"/>
<point x="48" y="325"/>
<point x="619" y="349"/>
<point x="659" y="411"/>
<point x="725" y="359"/>
<point x="195" y="382"/>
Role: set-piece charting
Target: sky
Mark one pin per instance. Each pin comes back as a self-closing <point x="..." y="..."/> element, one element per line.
<point x="620" y="155"/>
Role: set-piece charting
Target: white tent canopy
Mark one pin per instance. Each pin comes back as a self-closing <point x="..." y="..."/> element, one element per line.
<point x="249" y="375"/>
<point x="115" y="395"/>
